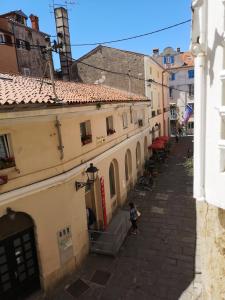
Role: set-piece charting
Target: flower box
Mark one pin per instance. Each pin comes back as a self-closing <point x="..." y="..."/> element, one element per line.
<point x="111" y="131"/>
<point x="86" y="139"/>
<point x="3" y="179"/>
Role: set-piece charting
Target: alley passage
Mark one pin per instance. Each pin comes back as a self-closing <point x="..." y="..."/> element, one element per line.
<point x="158" y="263"/>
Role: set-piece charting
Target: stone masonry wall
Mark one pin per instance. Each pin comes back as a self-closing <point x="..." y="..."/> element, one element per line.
<point x="114" y="60"/>
<point x="212" y="250"/>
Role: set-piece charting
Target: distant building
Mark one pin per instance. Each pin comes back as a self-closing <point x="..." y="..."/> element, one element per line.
<point x="21" y="46"/>
<point x="180" y="65"/>
<point x="131" y="72"/>
<point x="208" y="48"/>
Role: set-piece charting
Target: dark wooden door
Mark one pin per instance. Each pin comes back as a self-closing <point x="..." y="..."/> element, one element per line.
<point x="19" y="273"/>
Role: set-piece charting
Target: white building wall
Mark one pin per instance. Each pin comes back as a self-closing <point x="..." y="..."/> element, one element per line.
<point x="209" y="49"/>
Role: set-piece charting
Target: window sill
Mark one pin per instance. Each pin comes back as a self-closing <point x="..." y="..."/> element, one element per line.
<point x="8" y="170"/>
<point x="86" y="143"/>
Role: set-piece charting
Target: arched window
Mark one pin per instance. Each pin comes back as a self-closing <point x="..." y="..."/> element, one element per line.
<point x="112" y="185"/>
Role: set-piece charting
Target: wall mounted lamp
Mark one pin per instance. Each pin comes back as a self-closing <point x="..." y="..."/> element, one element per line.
<point x="92" y="173"/>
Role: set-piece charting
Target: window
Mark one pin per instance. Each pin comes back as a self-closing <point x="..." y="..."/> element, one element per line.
<point x="168" y="60"/>
<point x="125" y="120"/>
<point x="2" y="38"/>
<point x="85" y="132"/>
<point x="23" y="44"/>
<point x="190" y="125"/>
<point x="112" y="185"/>
<point x="171" y="92"/>
<point x="191" y="74"/>
<point x="150" y="70"/>
<point x="109" y="125"/>
<point x="191" y="90"/>
<point x="172" y="76"/>
<point x="6" y="155"/>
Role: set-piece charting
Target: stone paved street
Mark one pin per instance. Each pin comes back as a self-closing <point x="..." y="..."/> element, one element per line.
<point x="159" y="262"/>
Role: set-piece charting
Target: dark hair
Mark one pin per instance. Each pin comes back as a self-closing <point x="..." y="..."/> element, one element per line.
<point x="131" y="204"/>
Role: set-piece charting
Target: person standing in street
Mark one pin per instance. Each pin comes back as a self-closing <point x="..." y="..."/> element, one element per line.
<point x="176" y="138"/>
<point x="133" y="217"/>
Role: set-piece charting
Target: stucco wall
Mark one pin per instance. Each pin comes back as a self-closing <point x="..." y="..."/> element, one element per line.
<point x="212" y="252"/>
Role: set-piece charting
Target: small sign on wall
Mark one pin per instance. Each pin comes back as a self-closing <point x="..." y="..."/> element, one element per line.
<point x="65" y="244"/>
<point x="100" y="140"/>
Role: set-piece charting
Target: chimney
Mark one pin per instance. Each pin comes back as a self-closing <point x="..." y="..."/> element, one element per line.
<point x="178" y="50"/>
<point x="155" y="51"/>
<point x="34" y="22"/>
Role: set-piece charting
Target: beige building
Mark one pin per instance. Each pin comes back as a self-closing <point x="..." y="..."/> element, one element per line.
<point x="45" y="148"/>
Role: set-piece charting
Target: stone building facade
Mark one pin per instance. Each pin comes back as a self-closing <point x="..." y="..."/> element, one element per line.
<point x="46" y="148"/>
<point x="208" y="48"/>
<point x="25" y="48"/>
<point x="128" y="71"/>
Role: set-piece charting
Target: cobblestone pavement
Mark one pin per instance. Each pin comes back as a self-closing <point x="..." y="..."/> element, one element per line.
<point x="159" y="262"/>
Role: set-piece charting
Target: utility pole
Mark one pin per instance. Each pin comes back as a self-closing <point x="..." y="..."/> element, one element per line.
<point x="49" y="65"/>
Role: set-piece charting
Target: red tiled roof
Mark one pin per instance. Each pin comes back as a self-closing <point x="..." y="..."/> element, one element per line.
<point x="15" y="89"/>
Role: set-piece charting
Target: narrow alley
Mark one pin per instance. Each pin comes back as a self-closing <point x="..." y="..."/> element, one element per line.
<point x="159" y="262"/>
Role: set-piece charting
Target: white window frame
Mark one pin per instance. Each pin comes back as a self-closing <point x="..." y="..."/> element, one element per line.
<point x="2" y="38"/>
<point x="6" y="147"/>
<point x="87" y="128"/>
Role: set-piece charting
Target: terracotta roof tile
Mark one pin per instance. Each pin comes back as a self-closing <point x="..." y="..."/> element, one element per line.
<point x="15" y="89"/>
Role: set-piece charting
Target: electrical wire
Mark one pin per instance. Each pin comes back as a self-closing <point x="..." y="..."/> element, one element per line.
<point x="132" y="37"/>
<point x="119" y="40"/>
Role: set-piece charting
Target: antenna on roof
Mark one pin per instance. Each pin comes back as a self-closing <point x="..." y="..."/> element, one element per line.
<point x="48" y="52"/>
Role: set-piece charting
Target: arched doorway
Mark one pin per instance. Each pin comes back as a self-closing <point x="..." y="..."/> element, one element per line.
<point x="146" y="148"/>
<point x="114" y="184"/>
<point x="159" y="127"/>
<point x="153" y="133"/>
<point x="128" y="168"/>
<point x="19" y="272"/>
<point x="138" y="159"/>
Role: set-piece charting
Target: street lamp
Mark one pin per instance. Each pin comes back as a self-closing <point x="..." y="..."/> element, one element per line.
<point x="92" y="173"/>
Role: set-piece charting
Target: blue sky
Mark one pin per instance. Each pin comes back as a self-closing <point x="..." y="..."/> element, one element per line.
<point x="100" y="20"/>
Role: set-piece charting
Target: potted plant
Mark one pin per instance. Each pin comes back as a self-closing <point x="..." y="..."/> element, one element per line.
<point x="110" y="131"/>
<point x="86" y="139"/>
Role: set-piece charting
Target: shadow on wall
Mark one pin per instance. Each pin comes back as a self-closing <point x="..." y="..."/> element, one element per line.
<point x="218" y="41"/>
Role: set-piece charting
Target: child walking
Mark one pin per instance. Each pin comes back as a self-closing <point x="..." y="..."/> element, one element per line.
<point x="133" y="217"/>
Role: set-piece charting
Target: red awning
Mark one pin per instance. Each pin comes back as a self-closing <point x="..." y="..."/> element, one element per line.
<point x="164" y="138"/>
<point x="157" y="145"/>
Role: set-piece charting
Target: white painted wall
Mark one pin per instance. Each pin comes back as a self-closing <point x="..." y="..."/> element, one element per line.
<point x="208" y="47"/>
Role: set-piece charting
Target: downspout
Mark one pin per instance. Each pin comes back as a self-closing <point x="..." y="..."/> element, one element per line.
<point x="198" y="50"/>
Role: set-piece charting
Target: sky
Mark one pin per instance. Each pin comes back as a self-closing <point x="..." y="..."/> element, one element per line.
<point x="102" y="20"/>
